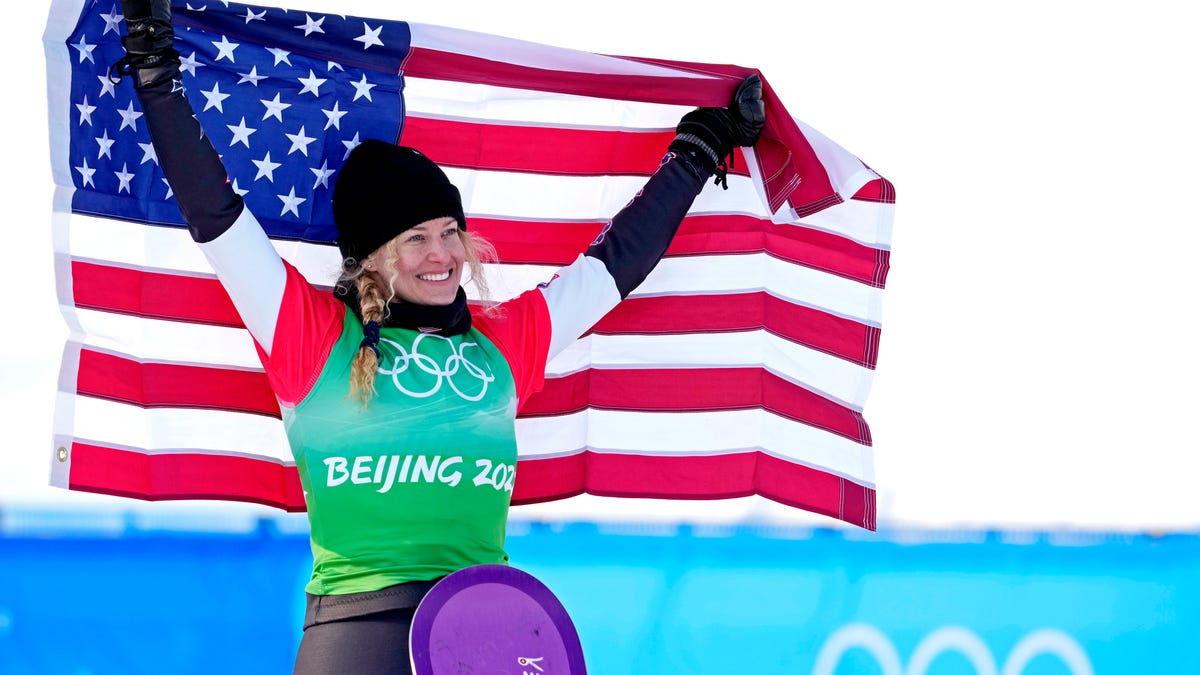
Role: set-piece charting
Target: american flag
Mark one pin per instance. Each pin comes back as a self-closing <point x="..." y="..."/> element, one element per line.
<point x="739" y="367"/>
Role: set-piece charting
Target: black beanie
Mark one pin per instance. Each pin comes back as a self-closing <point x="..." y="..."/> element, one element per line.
<point x="384" y="189"/>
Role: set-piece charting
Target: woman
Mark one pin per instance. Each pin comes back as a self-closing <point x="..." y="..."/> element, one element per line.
<point x="398" y="398"/>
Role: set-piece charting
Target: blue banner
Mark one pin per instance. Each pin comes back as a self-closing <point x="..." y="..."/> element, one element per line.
<point x="120" y="594"/>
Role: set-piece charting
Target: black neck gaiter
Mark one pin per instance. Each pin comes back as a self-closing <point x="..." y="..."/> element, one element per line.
<point x="451" y="319"/>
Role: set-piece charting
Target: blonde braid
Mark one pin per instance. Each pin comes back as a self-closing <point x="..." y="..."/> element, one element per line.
<point x="362" y="373"/>
<point x="374" y="305"/>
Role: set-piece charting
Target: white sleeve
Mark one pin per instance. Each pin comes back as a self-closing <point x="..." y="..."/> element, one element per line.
<point x="252" y="273"/>
<point x="577" y="297"/>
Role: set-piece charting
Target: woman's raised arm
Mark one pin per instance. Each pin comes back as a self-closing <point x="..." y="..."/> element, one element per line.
<point x="637" y="237"/>
<point x="236" y="246"/>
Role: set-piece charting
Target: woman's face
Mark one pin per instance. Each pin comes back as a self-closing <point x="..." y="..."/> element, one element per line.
<point x="427" y="265"/>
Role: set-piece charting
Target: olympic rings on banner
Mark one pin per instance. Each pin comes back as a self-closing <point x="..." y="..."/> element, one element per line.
<point x="457" y="360"/>
<point x="950" y="638"/>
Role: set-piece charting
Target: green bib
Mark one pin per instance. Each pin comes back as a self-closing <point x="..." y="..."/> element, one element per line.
<point x="417" y="484"/>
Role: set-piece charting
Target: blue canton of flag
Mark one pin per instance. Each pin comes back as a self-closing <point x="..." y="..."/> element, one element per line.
<point x="282" y="117"/>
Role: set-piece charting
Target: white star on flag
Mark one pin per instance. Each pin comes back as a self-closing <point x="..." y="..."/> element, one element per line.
<point x="86" y="171"/>
<point x="312" y="83"/>
<point x="129" y="117"/>
<point x="105" y="145"/>
<point x="148" y="153"/>
<point x="124" y="176"/>
<point x="189" y="64"/>
<point x="266" y="167"/>
<point x="251" y="16"/>
<point x="370" y="37"/>
<point x="85" y="50"/>
<point x="169" y="192"/>
<point x="106" y="86"/>
<point x="300" y="142"/>
<point x="290" y="202"/>
<point x="241" y="133"/>
<point x="225" y="49"/>
<point x="310" y="26"/>
<point x="323" y="175"/>
<point x="280" y="55"/>
<point x="362" y="88"/>
<point x="275" y="108"/>
<point x="214" y="98"/>
<point x="350" y="145"/>
<point x="252" y="77"/>
<point x="112" y="21"/>
<point x="334" y="64"/>
<point x="85" y="111"/>
<point x="335" y="116"/>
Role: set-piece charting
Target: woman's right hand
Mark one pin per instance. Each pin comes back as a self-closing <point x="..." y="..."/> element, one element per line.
<point x="149" y="43"/>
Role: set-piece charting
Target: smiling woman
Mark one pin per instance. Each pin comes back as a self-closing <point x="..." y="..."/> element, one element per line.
<point x="434" y="382"/>
<point x="421" y="266"/>
<point x="424" y="265"/>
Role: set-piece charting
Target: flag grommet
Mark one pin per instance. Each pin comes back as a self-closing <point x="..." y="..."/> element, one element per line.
<point x="62" y="453"/>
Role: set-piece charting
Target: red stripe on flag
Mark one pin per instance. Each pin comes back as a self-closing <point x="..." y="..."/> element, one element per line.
<point x="551" y="478"/>
<point x="694" y="390"/>
<point x="790" y="168"/>
<point x="558" y="243"/>
<point x="696" y="477"/>
<point x="815" y="490"/>
<point x="200" y="300"/>
<point x="184" y="475"/>
<point x="689" y="91"/>
<point x="543" y="150"/>
<point x="879" y="190"/>
<point x="169" y="385"/>
<point x="162" y="385"/>
<point x="168" y="476"/>
<point x="154" y="295"/>
<point x="688" y="314"/>
<point x="203" y="300"/>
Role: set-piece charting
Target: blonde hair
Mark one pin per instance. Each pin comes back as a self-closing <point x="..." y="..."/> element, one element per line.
<point x="373" y="305"/>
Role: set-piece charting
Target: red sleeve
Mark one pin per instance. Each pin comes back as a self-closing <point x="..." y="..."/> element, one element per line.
<point x="309" y="324"/>
<point x="520" y="328"/>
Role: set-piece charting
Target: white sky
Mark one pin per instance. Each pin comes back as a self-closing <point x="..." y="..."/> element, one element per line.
<point x="1037" y="364"/>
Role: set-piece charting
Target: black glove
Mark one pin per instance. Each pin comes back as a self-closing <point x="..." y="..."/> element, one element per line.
<point x="150" y="54"/>
<point x="708" y="136"/>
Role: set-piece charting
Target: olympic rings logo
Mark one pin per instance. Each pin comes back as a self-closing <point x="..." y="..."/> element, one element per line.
<point x="951" y="638"/>
<point x="457" y="360"/>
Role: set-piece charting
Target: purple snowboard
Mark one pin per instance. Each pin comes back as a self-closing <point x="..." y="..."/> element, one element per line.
<point x="493" y="619"/>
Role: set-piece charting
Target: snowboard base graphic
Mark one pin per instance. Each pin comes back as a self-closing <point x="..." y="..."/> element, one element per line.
<point x="493" y="619"/>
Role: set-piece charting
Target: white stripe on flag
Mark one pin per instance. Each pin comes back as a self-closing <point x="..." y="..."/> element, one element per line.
<point x="172" y="250"/>
<point x="464" y="101"/>
<point x="532" y="54"/>
<point x="833" y="378"/>
<point x="168" y="430"/>
<point x="694" y="434"/>
<point x="868" y="223"/>
<point x="165" y="430"/>
<point x="546" y="197"/>
<point x="168" y="341"/>
<point x="197" y="344"/>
